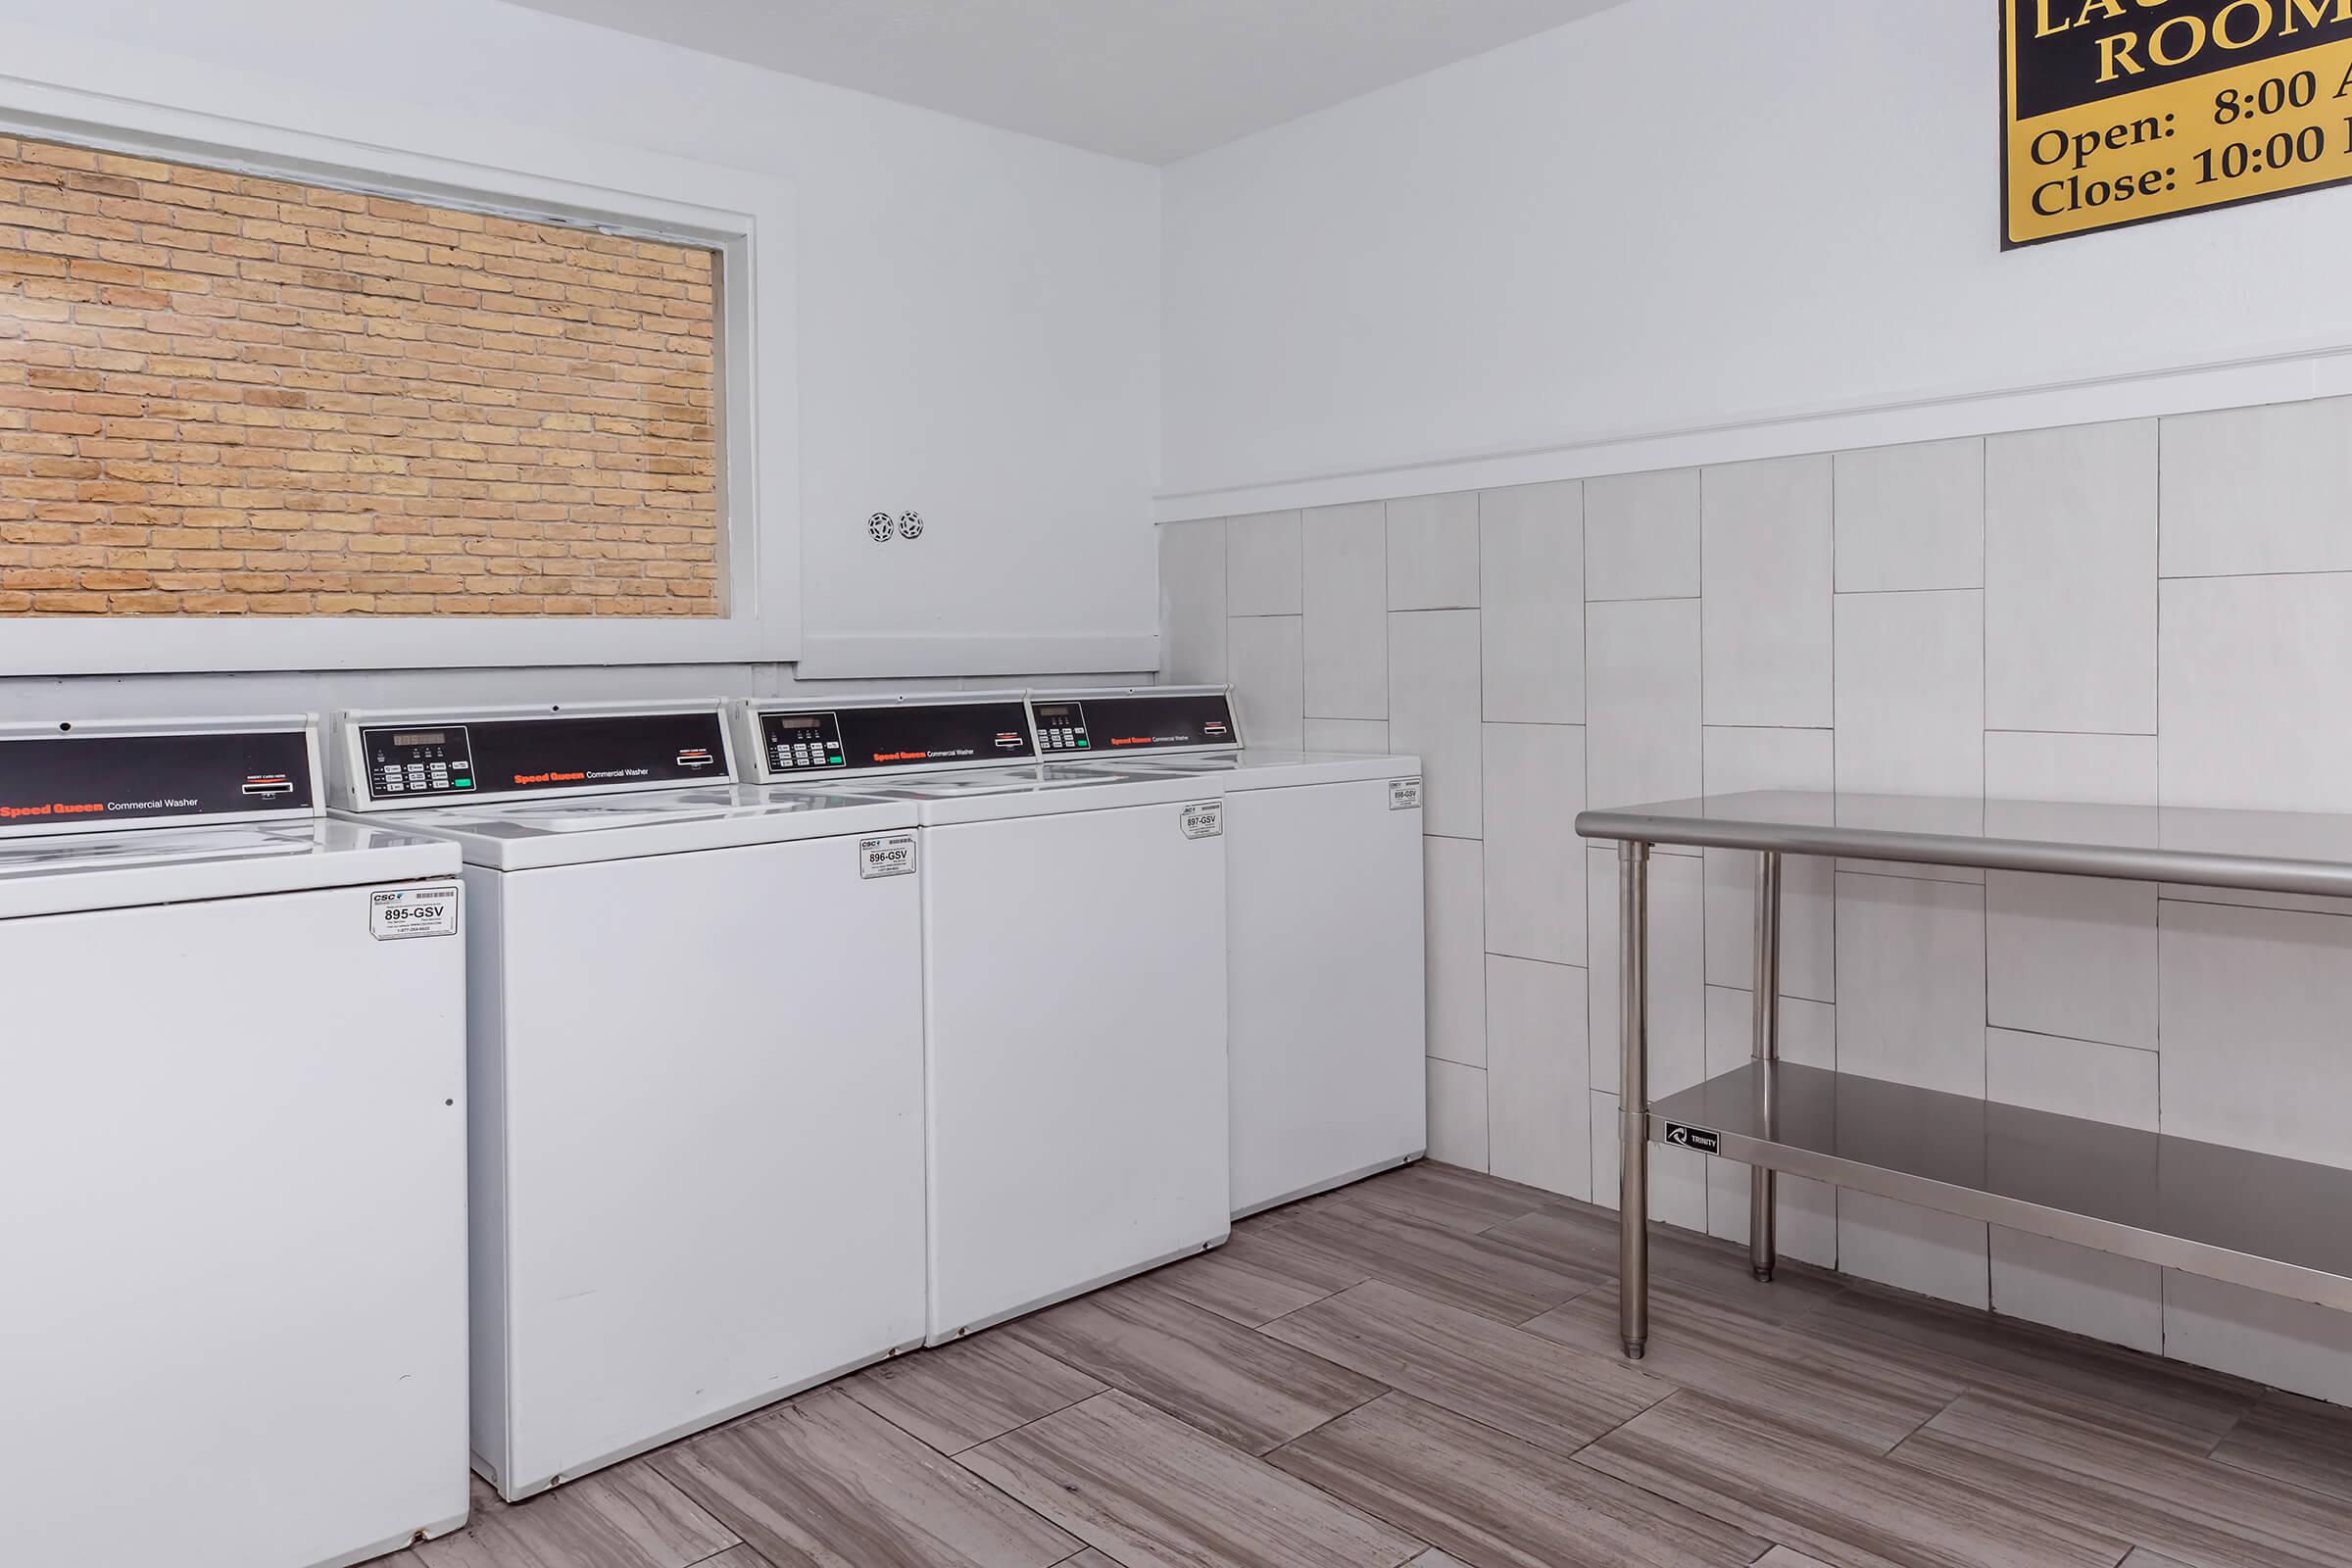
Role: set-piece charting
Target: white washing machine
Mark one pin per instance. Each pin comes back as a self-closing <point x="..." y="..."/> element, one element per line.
<point x="232" y="1154"/>
<point x="697" y="1060"/>
<point x="1074" y="950"/>
<point x="1324" y="964"/>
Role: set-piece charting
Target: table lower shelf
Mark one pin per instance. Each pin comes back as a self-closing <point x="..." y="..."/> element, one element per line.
<point x="2254" y="1219"/>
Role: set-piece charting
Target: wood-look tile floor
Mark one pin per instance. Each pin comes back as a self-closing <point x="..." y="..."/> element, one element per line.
<point x="1420" y="1371"/>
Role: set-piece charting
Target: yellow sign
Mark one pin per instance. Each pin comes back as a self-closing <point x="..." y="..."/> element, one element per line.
<point x="2117" y="112"/>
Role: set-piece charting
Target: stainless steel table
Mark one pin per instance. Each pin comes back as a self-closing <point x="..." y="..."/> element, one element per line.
<point x="2255" y="1219"/>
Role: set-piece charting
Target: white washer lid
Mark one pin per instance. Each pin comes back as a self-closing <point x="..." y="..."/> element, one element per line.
<point x="528" y="835"/>
<point x="121" y="869"/>
<point x="1255" y="769"/>
<point x="998" y="794"/>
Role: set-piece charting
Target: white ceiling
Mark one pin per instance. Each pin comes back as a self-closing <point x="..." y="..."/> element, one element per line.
<point x="1148" y="79"/>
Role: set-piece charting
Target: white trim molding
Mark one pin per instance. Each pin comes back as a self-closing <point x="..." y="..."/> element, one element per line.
<point x="64" y="88"/>
<point x="2286" y="376"/>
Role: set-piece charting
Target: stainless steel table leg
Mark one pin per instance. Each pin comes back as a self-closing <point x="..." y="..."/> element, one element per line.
<point x="1762" y="1244"/>
<point x="1632" y="1098"/>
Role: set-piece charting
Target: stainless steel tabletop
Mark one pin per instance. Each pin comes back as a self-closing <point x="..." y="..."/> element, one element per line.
<point x="2278" y="852"/>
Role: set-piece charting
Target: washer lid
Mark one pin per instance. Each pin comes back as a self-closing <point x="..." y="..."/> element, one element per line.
<point x="70" y="872"/>
<point x="1043" y="791"/>
<point x="1272" y="770"/>
<point x="527" y="835"/>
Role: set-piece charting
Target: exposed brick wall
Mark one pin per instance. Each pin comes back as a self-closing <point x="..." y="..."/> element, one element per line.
<point x="222" y="395"/>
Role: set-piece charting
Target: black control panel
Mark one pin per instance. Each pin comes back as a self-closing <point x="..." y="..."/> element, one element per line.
<point x="1061" y="728"/>
<point x="900" y="735"/>
<point x="60" y="781"/>
<point x="1135" y="721"/>
<point x="802" y="743"/>
<point x="430" y="761"/>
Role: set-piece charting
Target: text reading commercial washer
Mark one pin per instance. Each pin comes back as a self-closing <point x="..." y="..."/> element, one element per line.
<point x="698" y="1071"/>
<point x="1074" y="975"/>
<point x="1324" y="952"/>
<point x="232" y="1145"/>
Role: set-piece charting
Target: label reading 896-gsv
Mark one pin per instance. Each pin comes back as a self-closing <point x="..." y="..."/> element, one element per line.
<point x="394" y="913"/>
<point x="890" y="854"/>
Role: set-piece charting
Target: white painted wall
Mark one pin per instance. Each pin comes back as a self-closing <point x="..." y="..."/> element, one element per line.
<point x="1671" y="217"/>
<point x="977" y="309"/>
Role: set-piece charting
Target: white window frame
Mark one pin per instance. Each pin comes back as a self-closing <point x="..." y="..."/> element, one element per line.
<point x="441" y="159"/>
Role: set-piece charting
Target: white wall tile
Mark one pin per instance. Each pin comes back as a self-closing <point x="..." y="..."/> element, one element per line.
<point x="2255" y="1004"/>
<point x="1911" y="981"/>
<point x="1738" y="760"/>
<point x="2119" y="1299"/>
<point x="1261" y="564"/>
<point x="1265" y="661"/>
<point x="2071" y="955"/>
<point x="1365" y="736"/>
<point x="2113" y="1084"/>
<point x="1432" y="552"/>
<point x="1457" y="1114"/>
<point x="2256" y="675"/>
<point x="1913" y="1248"/>
<point x="1911" y="516"/>
<point x="1807" y="1210"/>
<point x="2275" y="1340"/>
<point x="1532" y="596"/>
<point x="1453" y="919"/>
<point x="2261" y="489"/>
<point x="2070" y="579"/>
<point x="1535" y="783"/>
<point x="1911" y="693"/>
<point x="1432" y="711"/>
<point x="1344" y="588"/>
<point x="2025" y="766"/>
<point x="1642" y="535"/>
<point x="1642" y="702"/>
<point x="1192" y="602"/>
<point x="1765" y="554"/>
<point x="1539" y="1126"/>
<point x="1678" y="1178"/>
<point x="1678" y="1006"/>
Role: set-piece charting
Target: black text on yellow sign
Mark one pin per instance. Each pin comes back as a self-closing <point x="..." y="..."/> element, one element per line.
<point x="2117" y="112"/>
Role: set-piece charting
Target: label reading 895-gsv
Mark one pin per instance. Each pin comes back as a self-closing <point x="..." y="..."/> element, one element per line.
<point x="1205" y="820"/>
<point x="395" y="913"/>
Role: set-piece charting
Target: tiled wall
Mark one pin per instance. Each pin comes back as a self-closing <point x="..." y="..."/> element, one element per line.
<point x="2150" y="611"/>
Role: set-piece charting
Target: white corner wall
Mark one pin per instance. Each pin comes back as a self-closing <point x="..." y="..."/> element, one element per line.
<point x="1666" y="219"/>
<point x="977" y="309"/>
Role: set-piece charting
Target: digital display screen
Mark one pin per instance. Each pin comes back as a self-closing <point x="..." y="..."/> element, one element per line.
<point x="798" y="721"/>
<point x="423" y="737"/>
<point x="1054" y="710"/>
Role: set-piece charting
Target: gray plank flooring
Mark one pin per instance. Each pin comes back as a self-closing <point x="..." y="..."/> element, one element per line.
<point x="1420" y="1371"/>
<point x="965" y="1394"/>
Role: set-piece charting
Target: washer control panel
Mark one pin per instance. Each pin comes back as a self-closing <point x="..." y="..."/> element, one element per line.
<point x="797" y="743"/>
<point x="426" y="760"/>
<point x="64" y="778"/>
<point x="1136" y="722"/>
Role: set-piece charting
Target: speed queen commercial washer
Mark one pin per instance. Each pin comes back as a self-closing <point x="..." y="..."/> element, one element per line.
<point x="233" y="1158"/>
<point x="1324" y="933"/>
<point x="1074" y="953"/>
<point x="697" y="1058"/>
